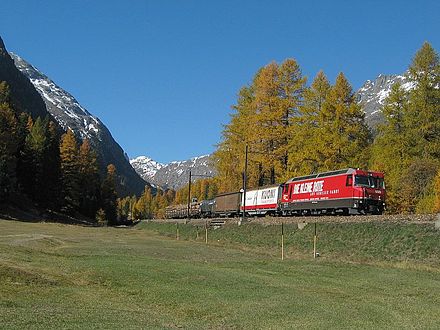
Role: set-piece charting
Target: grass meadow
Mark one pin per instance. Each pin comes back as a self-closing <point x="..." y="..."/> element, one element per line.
<point x="369" y="275"/>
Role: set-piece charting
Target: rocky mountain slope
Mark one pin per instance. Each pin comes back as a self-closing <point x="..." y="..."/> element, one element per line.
<point x="23" y="94"/>
<point x="175" y="174"/>
<point x="373" y="93"/>
<point x="71" y="115"/>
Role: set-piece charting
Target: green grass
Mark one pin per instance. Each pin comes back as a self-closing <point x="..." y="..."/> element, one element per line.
<point x="57" y="276"/>
<point x="360" y="242"/>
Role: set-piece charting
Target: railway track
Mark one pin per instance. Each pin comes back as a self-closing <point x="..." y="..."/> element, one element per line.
<point x="268" y="220"/>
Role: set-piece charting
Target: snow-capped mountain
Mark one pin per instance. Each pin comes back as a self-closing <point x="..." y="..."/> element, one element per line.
<point x="146" y="167"/>
<point x="62" y="105"/>
<point x="71" y="115"/>
<point x="373" y="93"/>
<point x="175" y="174"/>
<point x="23" y="95"/>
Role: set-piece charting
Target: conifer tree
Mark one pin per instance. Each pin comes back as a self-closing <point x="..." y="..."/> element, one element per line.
<point x="35" y="149"/>
<point x="25" y="168"/>
<point x="407" y="147"/>
<point x="9" y="144"/>
<point x="109" y="195"/>
<point x="70" y="173"/>
<point x="343" y="134"/>
<point x="230" y="155"/>
<point x="52" y="167"/>
<point x="424" y="108"/>
<point x="278" y="95"/>
<point x="88" y="180"/>
<point x="264" y="114"/>
<point x="390" y="150"/>
<point x="305" y="145"/>
<point x="144" y="205"/>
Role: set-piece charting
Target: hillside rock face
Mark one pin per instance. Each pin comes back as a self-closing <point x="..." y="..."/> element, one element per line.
<point x="71" y="115"/>
<point x="174" y="175"/>
<point x="373" y="93"/>
<point x="24" y="96"/>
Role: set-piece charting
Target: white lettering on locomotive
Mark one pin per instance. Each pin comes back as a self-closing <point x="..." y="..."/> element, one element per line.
<point x="318" y="186"/>
<point x="308" y="187"/>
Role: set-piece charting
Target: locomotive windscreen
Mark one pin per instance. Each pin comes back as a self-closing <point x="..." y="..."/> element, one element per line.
<point x="368" y="181"/>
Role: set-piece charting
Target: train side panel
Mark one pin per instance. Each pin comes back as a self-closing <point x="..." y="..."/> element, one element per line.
<point x="342" y="192"/>
<point x="262" y="201"/>
<point x="227" y="204"/>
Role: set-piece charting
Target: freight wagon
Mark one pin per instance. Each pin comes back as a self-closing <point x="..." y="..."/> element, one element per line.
<point x="262" y="201"/>
<point x="344" y="191"/>
<point x="227" y="205"/>
<point x="181" y="211"/>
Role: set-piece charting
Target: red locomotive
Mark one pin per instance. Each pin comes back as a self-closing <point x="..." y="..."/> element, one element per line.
<point x="344" y="191"/>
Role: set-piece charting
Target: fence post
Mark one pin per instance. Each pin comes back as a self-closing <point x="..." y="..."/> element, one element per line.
<point x="177" y="231"/>
<point x="314" y="244"/>
<point x="282" y="240"/>
<point x="206" y="231"/>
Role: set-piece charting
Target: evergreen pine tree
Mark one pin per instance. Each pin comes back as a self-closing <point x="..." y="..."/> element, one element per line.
<point x="52" y="167"/>
<point x="9" y="144"/>
<point x="35" y="145"/>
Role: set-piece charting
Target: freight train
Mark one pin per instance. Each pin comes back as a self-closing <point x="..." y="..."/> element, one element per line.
<point x="347" y="191"/>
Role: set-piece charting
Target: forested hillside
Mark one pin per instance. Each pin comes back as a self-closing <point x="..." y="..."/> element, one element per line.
<point x="69" y="114"/>
<point x="41" y="169"/>
<point x="44" y="169"/>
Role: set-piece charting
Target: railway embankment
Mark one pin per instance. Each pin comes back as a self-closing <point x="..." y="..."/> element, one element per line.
<point x="267" y="220"/>
<point x="401" y="239"/>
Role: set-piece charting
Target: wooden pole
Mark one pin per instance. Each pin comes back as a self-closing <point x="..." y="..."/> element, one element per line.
<point x="282" y="241"/>
<point x="188" y="215"/>
<point x="206" y="231"/>
<point x="314" y="244"/>
<point x="245" y="183"/>
<point x="177" y="231"/>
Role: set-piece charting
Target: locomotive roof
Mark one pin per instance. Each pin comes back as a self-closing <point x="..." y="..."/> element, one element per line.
<point x="322" y="175"/>
<point x="263" y="187"/>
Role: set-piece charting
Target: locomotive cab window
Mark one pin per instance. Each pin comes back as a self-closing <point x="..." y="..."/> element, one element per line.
<point x="349" y="181"/>
<point x="380" y="183"/>
<point x="364" y="181"/>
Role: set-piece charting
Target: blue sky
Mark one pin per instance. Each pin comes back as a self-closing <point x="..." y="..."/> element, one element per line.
<point x="162" y="75"/>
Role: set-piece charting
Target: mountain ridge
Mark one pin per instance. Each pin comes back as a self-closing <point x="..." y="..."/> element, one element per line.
<point x="24" y="96"/>
<point x="175" y="174"/>
<point x="69" y="114"/>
